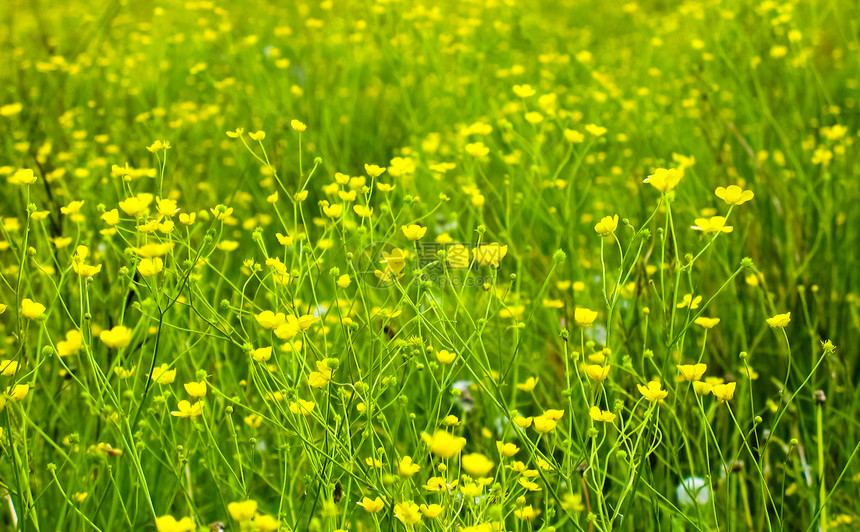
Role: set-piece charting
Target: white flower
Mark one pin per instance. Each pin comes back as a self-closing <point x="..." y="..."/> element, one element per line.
<point x="464" y="400"/>
<point x="693" y="487"/>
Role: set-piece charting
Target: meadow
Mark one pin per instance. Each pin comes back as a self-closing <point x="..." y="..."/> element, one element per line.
<point x="473" y="265"/>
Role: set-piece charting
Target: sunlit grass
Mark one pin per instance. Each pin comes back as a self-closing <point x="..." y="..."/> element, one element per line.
<point x="445" y="266"/>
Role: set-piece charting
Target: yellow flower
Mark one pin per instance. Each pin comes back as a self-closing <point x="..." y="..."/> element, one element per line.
<point x="458" y="257"/>
<point x="159" y="145"/>
<point x="607" y="225"/>
<point x="8" y="367"/>
<point x="259" y="135"/>
<point x="24" y="176"/>
<point x="529" y="385"/>
<point x="554" y="414"/>
<point x="30" y="309"/>
<point x="595" y="130"/>
<point x="154" y="250"/>
<point x="401" y="166"/>
<point x="527" y="484"/>
<point x="321" y="377"/>
<point x="363" y="210"/>
<point x="684" y="161"/>
<point x="534" y="117"/>
<point x="187" y="218"/>
<point x="477" y="149"/>
<point x="734" y="195"/>
<point x="85" y="270"/>
<point x="724" y="392"/>
<point x="822" y="156"/>
<point x="344" y="281"/>
<point x="707" y="323"/>
<point x="507" y="449"/>
<point x="653" y="392"/>
<point x="431" y="511"/>
<point x="18" y="392"/>
<point x="166" y="207"/>
<point x="414" y="231"/>
<point x="584" y="317"/>
<point x="573" y="136"/>
<point x="269" y="320"/>
<point x="196" y="389"/>
<point x="552" y="303"/>
<point x="544" y="423"/>
<point x="444" y="444"/>
<point x="476" y="464"/>
<point x="394" y="261"/>
<point x="163" y="375"/>
<point x="714" y="224"/>
<point x="298" y="125"/>
<point x="520" y="467"/>
<point x="374" y="170"/>
<point x="242" y="511"/>
<point x="266" y="523"/>
<point x="221" y="212"/>
<point x="472" y="489"/>
<point x="302" y="407"/>
<point x="149" y="227"/>
<point x="289" y="329"/>
<point x="490" y="254"/>
<point x="407" y="513"/>
<point x="305" y="321"/>
<point x="690" y="301"/>
<point x="123" y="373"/>
<point x="406" y="468"/>
<point x="274" y="396"/>
<point x="692" y="372"/>
<point x="664" y="179"/>
<point x="597" y="372"/>
<point x="749" y="372"/>
<point x="702" y="388"/>
<point x="117" y="337"/>
<point x="150" y="266"/>
<point x="599" y="415"/>
<point x="11" y="109"/>
<point x="262" y="354"/>
<point x="780" y="320"/>
<point x="526" y="513"/>
<point x="572" y="502"/>
<point x="371" y="506"/>
<point x="333" y="211"/>
<point x="524" y="91"/>
<point x="438" y="484"/>
<point x="168" y="523"/>
<point x="73" y="210"/>
<point x="133" y="206"/>
<point x="186" y="409"/>
<point x="444" y="356"/>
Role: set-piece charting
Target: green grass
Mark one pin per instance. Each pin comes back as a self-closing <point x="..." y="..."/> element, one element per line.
<point x="549" y="116"/>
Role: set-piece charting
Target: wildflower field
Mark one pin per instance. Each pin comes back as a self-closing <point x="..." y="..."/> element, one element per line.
<point x="472" y="265"/>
